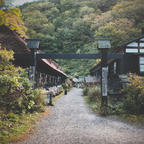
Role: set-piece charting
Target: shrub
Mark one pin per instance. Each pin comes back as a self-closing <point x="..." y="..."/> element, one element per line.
<point x="12" y="117"/>
<point x="94" y="93"/>
<point x="133" y="95"/>
<point x="38" y="100"/>
<point x="68" y="84"/>
<point x="16" y="93"/>
<point x="85" y="91"/>
<point x="93" y="97"/>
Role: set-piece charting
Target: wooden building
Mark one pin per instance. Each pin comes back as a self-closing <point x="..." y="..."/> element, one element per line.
<point x="48" y="72"/>
<point x="11" y="40"/>
<point x="90" y="80"/>
<point x="132" y="61"/>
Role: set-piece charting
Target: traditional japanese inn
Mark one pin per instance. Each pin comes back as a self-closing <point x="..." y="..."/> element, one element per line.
<point x="132" y="61"/>
<point x="48" y="72"/>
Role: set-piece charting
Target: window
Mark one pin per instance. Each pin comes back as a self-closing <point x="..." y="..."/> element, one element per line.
<point x="142" y="50"/>
<point x="133" y="44"/>
<point x="128" y="50"/>
<point x="141" y="62"/>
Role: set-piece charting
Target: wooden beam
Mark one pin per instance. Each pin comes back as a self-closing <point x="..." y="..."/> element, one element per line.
<point x="78" y="56"/>
<point x="27" y="58"/>
<point x="69" y="56"/>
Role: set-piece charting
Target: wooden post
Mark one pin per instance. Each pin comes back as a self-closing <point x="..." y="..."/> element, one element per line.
<point x="34" y="51"/>
<point x="104" y="84"/>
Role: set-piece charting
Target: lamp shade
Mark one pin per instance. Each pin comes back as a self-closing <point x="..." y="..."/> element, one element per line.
<point x="33" y="43"/>
<point x="104" y="43"/>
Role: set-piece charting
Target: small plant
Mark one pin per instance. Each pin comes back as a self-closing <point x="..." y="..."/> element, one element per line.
<point x="94" y="93"/>
<point x="14" y="127"/>
<point x="133" y="95"/>
<point x="93" y="97"/>
<point x="85" y="91"/>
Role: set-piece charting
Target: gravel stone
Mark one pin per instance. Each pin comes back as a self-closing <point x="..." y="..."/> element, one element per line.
<point x="72" y="122"/>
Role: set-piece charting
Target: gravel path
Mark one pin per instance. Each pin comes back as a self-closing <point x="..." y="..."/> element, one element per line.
<point x="72" y="122"/>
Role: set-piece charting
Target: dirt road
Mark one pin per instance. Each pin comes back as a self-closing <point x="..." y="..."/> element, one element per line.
<point x="72" y="122"/>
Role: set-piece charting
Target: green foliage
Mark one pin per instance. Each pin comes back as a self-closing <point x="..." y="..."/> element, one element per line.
<point x="16" y="93"/>
<point x="133" y="96"/>
<point x="85" y="91"/>
<point x="94" y="93"/>
<point x="138" y="119"/>
<point x="64" y="30"/>
<point x="92" y="96"/>
<point x="38" y="100"/>
<point x="69" y="26"/>
<point x="118" y="30"/>
<point x="13" y="126"/>
<point x="6" y="56"/>
<point x="68" y="84"/>
<point x="11" y="17"/>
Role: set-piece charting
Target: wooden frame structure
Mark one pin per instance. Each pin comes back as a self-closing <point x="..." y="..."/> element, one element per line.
<point x="131" y="60"/>
<point x="48" y="72"/>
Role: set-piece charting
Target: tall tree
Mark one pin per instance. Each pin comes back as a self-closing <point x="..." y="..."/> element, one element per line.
<point x="69" y="26"/>
<point x="11" y="17"/>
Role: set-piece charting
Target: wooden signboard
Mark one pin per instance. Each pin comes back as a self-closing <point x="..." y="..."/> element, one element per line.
<point x="104" y="81"/>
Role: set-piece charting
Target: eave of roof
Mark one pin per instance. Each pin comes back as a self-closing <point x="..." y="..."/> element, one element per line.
<point x="53" y="65"/>
<point x="119" y="49"/>
<point x="12" y="38"/>
<point x="18" y="44"/>
<point x="130" y="41"/>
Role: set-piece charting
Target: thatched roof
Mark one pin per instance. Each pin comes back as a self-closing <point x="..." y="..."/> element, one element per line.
<point x="11" y="40"/>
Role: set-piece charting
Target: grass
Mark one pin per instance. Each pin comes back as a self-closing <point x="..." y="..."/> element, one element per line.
<point x="95" y="106"/>
<point x="136" y="119"/>
<point x="57" y="97"/>
<point x="15" y="128"/>
<point x="131" y="118"/>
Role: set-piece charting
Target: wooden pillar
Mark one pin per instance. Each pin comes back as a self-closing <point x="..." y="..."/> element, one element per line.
<point x="104" y="72"/>
<point x="33" y="68"/>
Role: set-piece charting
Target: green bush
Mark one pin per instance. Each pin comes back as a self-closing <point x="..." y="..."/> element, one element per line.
<point x="85" y="91"/>
<point x="16" y="93"/>
<point x="13" y="117"/>
<point x="18" y="96"/>
<point x="133" y="96"/>
<point x="38" y="100"/>
<point x="94" y="93"/>
<point x="93" y="97"/>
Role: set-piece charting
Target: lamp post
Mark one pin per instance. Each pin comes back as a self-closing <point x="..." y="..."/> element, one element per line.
<point x="33" y="44"/>
<point x="104" y="45"/>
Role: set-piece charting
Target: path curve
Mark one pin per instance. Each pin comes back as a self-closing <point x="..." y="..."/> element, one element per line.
<point x="72" y="122"/>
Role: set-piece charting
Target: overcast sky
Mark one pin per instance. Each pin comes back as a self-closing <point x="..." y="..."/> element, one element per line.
<point x="20" y="2"/>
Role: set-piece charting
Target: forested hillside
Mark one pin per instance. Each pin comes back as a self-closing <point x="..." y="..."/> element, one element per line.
<point x="69" y="26"/>
<point x="12" y="17"/>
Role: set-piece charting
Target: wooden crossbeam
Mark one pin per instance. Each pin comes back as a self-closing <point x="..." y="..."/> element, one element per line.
<point x="27" y="59"/>
<point x="29" y="56"/>
<point x="77" y="56"/>
<point x="69" y="56"/>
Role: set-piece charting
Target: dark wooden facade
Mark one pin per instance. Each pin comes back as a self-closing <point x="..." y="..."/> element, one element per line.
<point x="119" y="68"/>
<point x="48" y="72"/>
